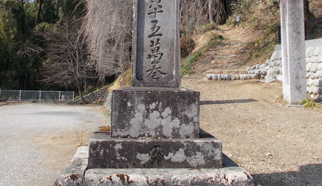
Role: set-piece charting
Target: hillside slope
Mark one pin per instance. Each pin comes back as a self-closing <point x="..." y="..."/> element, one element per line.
<point x="233" y="53"/>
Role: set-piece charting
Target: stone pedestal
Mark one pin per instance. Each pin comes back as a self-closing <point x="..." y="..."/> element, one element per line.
<point x="77" y="174"/>
<point x="154" y="128"/>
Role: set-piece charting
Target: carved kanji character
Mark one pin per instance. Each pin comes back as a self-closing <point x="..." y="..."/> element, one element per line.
<point x="155" y="8"/>
<point x="155" y="29"/>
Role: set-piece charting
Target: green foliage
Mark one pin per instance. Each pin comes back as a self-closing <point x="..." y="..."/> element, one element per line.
<point x="20" y="53"/>
<point x="24" y="44"/>
<point x="186" y="66"/>
<point x="309" y="103"/>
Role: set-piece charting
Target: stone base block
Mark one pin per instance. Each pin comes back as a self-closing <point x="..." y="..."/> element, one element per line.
<point x="77" y="174"/>
<point x="107" y="152"/>
<point x="234" y="176"/>
<point x="155" y="113"/>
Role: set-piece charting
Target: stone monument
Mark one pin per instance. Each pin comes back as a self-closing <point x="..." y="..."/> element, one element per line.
<point x="293" y="51"/>
<point x="155" y="123"/>
<point x="155" y="137"/>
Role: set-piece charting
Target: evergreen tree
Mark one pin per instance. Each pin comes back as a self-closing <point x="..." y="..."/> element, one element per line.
<point x="19" y="50"/>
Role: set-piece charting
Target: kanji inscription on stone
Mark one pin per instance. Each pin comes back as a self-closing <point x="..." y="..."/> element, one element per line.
<point x="156" y="54"/>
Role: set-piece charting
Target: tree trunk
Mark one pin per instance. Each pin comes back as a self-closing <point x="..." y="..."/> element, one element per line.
<point x="306" y="9"/>
<point x="39" y="5"/>
<point x="210" y="9"/>
<point x="80" y="92"/>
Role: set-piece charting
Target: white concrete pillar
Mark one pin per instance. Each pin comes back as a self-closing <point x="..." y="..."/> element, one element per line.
<point x="293" y="51"/>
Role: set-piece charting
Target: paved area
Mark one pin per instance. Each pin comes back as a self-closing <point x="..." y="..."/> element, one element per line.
<point x="38" y="140"/>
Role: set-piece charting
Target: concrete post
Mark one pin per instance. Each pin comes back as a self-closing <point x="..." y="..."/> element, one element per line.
<point x="293" y="51"/>
<point x="20" y="95"/>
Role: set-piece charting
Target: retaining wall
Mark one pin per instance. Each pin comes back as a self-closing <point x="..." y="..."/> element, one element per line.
<point x="272" y="69"/>
<point x="95" y="97"/>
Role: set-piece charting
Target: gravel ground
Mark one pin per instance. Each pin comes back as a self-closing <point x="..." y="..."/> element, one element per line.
<point x="38" y="140"/>
<point x="277" y="144"/>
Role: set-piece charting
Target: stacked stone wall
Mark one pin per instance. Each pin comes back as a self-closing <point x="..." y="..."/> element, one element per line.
<point x="95" y="97"/>
<point x="272" y="69"/>
<point x="314" y="71"/>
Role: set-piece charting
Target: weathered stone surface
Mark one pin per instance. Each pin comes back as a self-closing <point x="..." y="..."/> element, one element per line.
<point x="279" y="77"/>
<point x="310" y="90"/>
<point x="220" y="77"/>
<point x="317" y="51"/>
<point x="106" y="152"/>
<point x="316" y="83"/>
<point x="237" y="77"/>
<point x="313" y="76"/>
<point x="319" y="74"/>
<point x="230" y="174"/>
<point x="233" y="76"/>
<point x="234" y="176"/>
<point x="275" y="55"/>
<point x="262" y="66"/>
<point x="245" y="76"/>
<point x="309" y="51"/>
<point x="155" y="113"/>
<point x="156" y="55"/>
<point x="320" y="58"/>
<point x="279" y="63"/>
<point x="315" y="90"/>
<point x="209" y="77"/>
<point x="73" y="174"/>
<point x="314" y="67"/>
<point x="308" y="67"/>
<point x="214" y="76"/>
<point x="227" y="76"/>
<point x="310" y="82"/>
<point x="293" y="51"/>
<point x="314" y="59"/>
<point x="94" y="97"/>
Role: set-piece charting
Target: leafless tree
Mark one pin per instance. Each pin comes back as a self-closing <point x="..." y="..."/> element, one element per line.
<point x="194" y="14"/>
<point x="108" y="29"/>
<point x="67" y="60"/>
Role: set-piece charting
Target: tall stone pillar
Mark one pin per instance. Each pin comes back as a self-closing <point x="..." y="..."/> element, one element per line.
<point x="293" y="51"/>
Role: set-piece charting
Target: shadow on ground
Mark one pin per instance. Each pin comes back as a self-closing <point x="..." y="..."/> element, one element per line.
<point x="227" y="101"/>
<point x="308" y="175"/>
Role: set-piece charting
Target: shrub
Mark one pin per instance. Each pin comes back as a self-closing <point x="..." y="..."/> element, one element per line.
<point x="187" y="44"/>
<point x="308" y="103"/>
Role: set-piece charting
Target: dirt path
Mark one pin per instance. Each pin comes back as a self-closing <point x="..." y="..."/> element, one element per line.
<point x="228" y="55"/>
<point x="278" y="145"/>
